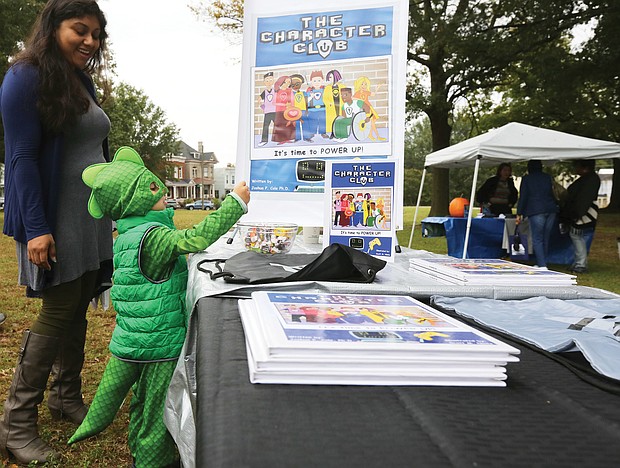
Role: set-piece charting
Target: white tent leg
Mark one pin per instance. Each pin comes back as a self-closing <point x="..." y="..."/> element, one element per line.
<point x="471" y="206"/>
<point x="417" y="207"/>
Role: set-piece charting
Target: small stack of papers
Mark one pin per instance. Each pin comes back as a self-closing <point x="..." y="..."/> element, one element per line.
<point x="489" y="271"/>
<point x="358" y="339"/>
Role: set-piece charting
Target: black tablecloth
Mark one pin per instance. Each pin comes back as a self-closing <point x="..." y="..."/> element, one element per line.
<point x="545" y="417"/>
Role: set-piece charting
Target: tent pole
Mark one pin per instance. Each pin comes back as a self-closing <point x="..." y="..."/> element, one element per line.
<point x="417" y="207"/>
<point x="471" y="206"/>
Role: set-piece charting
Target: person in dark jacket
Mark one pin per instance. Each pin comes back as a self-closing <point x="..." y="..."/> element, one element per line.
<point x="498" y="193"/>
<point x="538" y="204"/>
<point x="53" y="129"/>
<point x="581" y="210"/>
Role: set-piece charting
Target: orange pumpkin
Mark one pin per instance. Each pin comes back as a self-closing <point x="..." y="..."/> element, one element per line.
<point x="457" y="207"/>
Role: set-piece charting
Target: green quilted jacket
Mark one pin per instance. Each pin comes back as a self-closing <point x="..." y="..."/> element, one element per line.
<point x="150" y="279"/>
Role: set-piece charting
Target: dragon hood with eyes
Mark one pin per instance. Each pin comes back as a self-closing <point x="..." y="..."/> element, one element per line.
<point x="123" y="187"/>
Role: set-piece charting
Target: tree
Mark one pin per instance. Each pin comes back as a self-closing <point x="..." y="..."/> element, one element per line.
<point x="418" y="144"/>
<point x="463" y="49"/>
<point x="227" y="15"/>
<point x="16" y="20"/>
<point x="602" y="58"/>
<point x="579" y="94"/>
<point x="139" y="123"/>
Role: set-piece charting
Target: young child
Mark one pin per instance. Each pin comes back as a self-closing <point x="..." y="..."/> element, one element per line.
<point x="150" y="280"/>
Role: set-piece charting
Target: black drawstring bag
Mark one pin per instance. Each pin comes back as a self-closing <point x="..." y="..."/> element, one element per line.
<point x="337" y="262"/>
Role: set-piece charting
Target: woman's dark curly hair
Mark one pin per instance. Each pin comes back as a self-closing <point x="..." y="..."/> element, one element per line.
<point x="501" y="166"/>
<point x="61" y="95"/>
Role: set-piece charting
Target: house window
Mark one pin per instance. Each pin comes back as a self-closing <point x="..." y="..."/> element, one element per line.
<point x="194" y="172"/>
<point x="233" y="179"/>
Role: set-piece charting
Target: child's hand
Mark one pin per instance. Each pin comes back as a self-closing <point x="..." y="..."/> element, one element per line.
<point x="243" y="191"/>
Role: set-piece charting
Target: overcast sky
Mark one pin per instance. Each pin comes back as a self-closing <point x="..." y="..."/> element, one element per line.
<point x="182" y="65"/>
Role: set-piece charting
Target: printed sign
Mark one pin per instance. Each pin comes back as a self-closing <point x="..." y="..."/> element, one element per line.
<point x="319" y="83"/>
<point x="361" y="209"/>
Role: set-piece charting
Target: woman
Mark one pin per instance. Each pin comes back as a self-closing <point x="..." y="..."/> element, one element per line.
<point x="538" y="204"/>
<point x="498" y="193"/>
<point x="53" y="129"/>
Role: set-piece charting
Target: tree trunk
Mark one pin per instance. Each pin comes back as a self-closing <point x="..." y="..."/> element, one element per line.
<point x="440" y="192"/>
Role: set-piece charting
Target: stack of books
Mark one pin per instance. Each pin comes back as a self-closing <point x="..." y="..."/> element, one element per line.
<point x="488" y="271"/>
<point x="359" y="339"/>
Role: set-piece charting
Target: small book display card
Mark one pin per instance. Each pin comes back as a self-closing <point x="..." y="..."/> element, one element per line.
<point x="360" y="210"/>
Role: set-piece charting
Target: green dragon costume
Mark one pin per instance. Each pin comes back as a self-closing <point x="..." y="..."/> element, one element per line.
<point x="148" y="294"/>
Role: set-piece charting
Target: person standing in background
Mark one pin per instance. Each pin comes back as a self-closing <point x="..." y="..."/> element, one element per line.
<point x="53" y="130"/>
<point x="539" y="206"/>
<point x="498" y="193"/>
<point x="581" y="210"/>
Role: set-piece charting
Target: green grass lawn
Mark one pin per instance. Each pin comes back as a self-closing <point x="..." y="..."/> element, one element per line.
<point x="110" y="448"/>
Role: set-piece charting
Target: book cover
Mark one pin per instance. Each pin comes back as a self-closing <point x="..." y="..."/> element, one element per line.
<point x="360" y="358"/>
<point x="484" y="270"/>
<point x="361" y="206"/>
<point x="256" y="340"/>
<point x="366" y="324"/>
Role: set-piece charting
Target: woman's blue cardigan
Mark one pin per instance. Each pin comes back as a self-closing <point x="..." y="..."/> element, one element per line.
<point x="33" y="156"/>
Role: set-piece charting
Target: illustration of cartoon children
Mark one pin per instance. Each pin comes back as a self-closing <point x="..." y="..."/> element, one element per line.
<point x="372" y="216"/>
<point x="363" y="92"/>
<point x="296" y="314"/>
<point x="299" y="101"/>
<point x="316" y="105"/>
<point x="351" y="209"/>
<point x="337" y="207"/>
<point x="311" y="313"/>
<point x="267" y="102"/>
<point x="283" y="129"/>
<point x="348" y="108"/>
<point x="382" y="218"/>
<point x="332" y="98"/>
<point x="366" y="207"/>
<point x="358" y="211"/>
<point x="332" y="315"/>
<point x="344" y="208"/>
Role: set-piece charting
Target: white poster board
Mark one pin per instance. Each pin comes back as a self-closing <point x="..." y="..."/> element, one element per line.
<point x="319" y="81"/>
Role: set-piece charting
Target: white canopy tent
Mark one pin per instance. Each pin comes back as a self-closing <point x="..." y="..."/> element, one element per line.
<point x="512" y="143"/>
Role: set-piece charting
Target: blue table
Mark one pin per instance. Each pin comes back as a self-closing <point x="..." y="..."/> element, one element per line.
<point x="487" y="238"/>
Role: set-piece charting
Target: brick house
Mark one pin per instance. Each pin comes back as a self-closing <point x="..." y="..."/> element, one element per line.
<point x="192" y="173"/>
